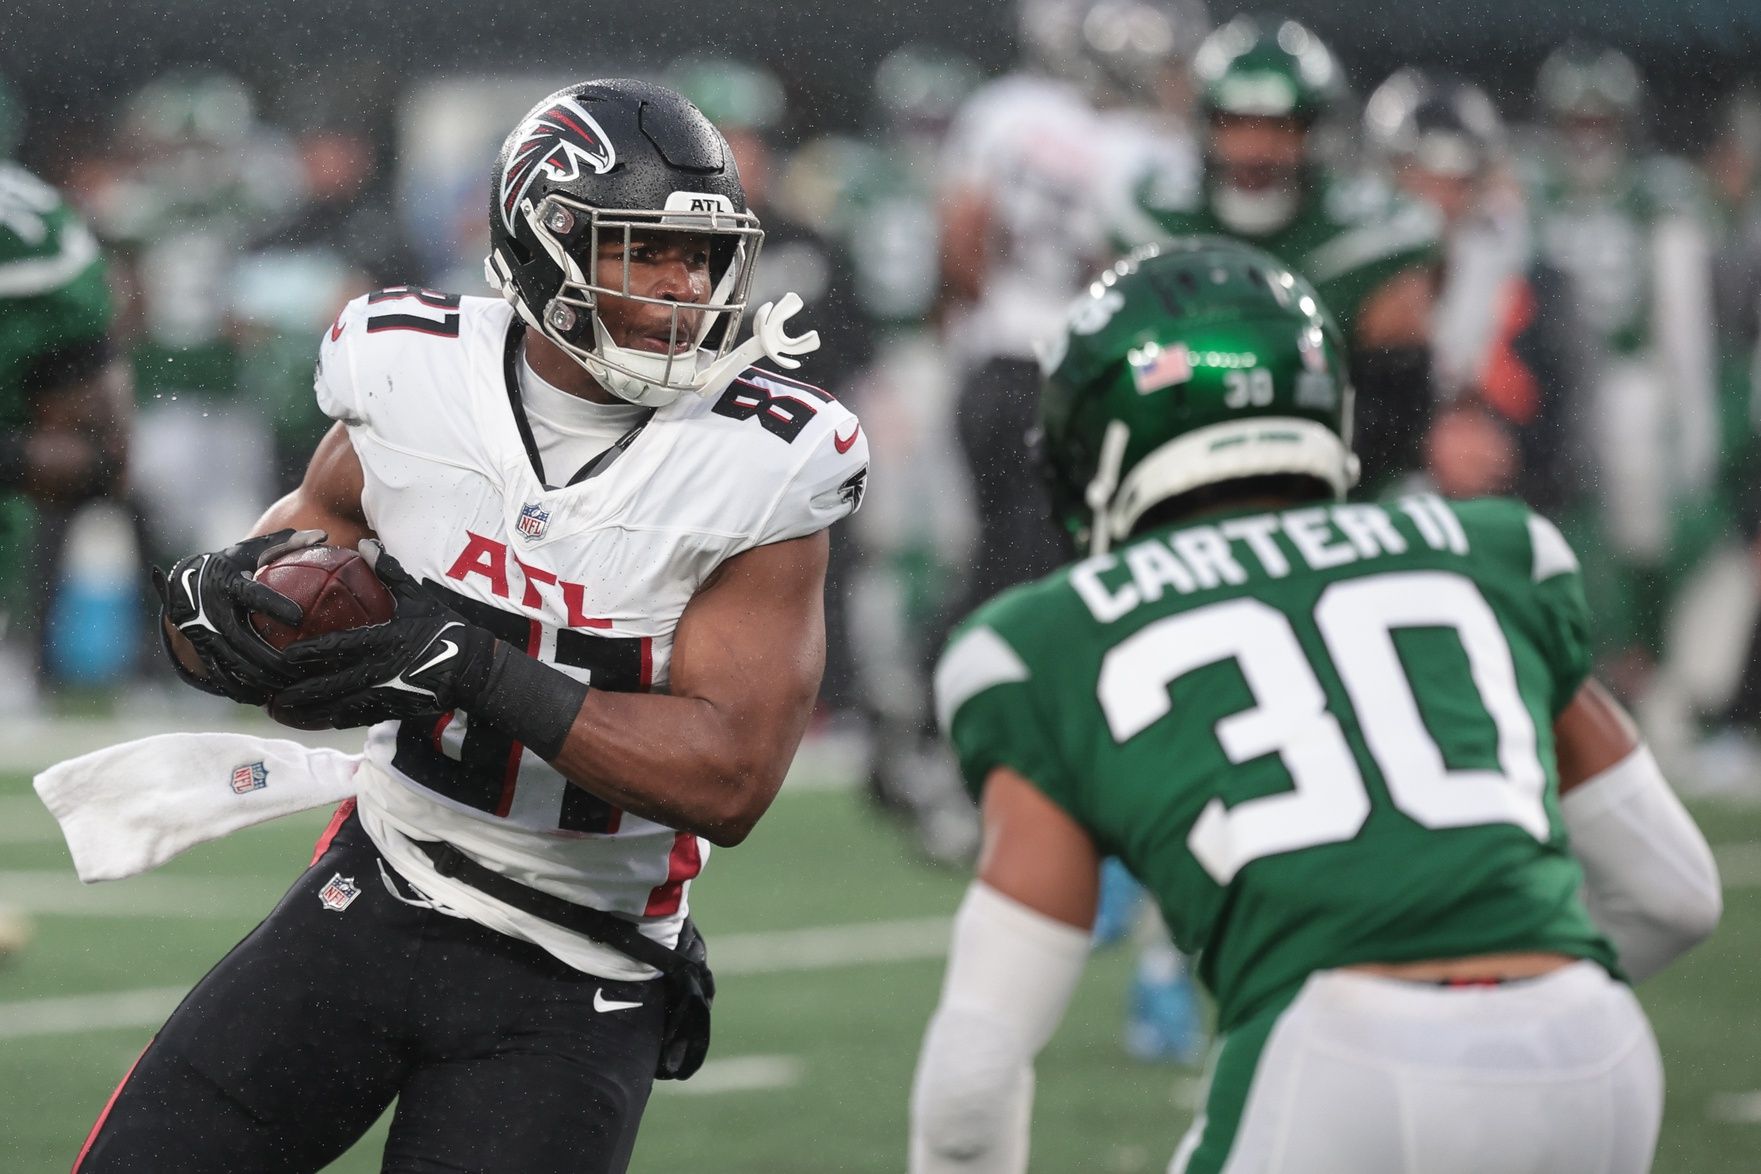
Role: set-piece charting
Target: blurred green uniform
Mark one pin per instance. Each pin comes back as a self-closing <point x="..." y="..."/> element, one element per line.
<point x="54" y="308"/>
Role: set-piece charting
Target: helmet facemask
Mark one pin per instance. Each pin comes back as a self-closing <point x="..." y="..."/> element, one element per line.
<point x="571" y="233"/>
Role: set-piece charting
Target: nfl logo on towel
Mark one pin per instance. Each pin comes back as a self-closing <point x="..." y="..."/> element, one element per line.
<point x="252" y="776"/>
<point x="338" y="893"/>
<point x="533" y="521"/>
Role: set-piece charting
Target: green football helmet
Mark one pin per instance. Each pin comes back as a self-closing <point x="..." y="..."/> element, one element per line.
<point x="1188" y="364"/>
<point x="1268" y="67"/>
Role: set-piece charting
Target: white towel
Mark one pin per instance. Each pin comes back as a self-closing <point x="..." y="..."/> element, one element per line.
<point x="131" y="807"/>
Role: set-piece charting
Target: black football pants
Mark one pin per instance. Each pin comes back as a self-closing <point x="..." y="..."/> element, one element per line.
<point x="297" y="1041"/>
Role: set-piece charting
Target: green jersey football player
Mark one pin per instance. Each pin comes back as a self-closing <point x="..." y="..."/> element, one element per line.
<point x="64" y="400"/>
<point x="1270" y="104"/>
<point x="1631" y="230"/>
<point x="1332" y="740"/>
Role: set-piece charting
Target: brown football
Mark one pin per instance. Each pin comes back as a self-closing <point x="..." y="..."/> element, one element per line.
<point x="334" y="587"/>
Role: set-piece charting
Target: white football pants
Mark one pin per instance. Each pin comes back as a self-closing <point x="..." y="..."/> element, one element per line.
<point x="1363" y="1075"/>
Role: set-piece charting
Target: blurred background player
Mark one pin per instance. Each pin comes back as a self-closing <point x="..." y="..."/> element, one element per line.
<point x="1629" y="229"/>
<point x="1508" y="360"/>
<point x="65" y="408"/>
<point x="1139" y="77"/>
<point x="1370" y="858"/>
<point x="1272" y="101"/>
<point x="198" y="180"/>
<point x="1018" y="229"/>
<point x="877" y="193"/>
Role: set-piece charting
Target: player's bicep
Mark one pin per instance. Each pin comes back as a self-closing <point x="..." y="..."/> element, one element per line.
<point x="1035" y="853"/>
<point x="328" y="497"/>
<point x="752" y="644"/>
<point x="1591" y="734"/>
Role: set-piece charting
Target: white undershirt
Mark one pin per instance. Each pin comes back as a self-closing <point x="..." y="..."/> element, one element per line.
<point x="569" y="430"/>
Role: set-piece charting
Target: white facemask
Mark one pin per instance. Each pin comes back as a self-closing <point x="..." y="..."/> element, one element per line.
<point x="1254" y="213"/>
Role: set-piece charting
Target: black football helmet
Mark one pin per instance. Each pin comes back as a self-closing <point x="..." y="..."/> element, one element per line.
<point x="613" y="158"/>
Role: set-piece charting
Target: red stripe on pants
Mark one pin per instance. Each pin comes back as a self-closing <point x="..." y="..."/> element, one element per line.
<point x="343" y="810"/>
<point x="108" y="1105"/>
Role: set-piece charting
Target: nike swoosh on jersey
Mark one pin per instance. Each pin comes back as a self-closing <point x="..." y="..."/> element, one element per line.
<point x="843" y="443"/>
<point x="336" y="328"/>
<point x="603" y="1004"/>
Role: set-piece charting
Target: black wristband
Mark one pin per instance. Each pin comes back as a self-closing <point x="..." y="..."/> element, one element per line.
<point x="530" y="700"/>
<point x="14" y="463"/>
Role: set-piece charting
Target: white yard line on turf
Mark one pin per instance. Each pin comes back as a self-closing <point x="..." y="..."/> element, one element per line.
<point x="79" y="1014"/>
<point x="1735" y="1108"/>
<point x="737" y="1074"/>
<point x="58" y="893"/>
<point x="24" y="833"/>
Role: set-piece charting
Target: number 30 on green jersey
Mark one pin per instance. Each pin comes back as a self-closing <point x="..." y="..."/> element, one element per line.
<point x="1357" y="619"/>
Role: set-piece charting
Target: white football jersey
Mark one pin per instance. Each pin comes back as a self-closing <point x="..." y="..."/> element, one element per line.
<point x="1030" y="145"/>
<point x="591" y="578"/>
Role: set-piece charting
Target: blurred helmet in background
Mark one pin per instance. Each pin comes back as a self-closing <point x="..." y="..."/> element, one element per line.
<point x="1048" y="34"/>
<point x="609" y="160"/>
<point x="1272" y="96"/>
<point x="918" y="89"/>
<point x="1268" y="67"/>
<point x="192" y="108"/>
<point x="1594" y="99"/>
<point x="1440" y="138"/>
<point x="734" y="95"/>
<point x="1445" y="126"/>
<point x="1138" y="46"/>
<point x="1589" y="81"/>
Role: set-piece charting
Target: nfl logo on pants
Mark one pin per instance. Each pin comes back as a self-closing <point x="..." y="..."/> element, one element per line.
<point x="338" y="893"/>
<point x="533" y="520"/>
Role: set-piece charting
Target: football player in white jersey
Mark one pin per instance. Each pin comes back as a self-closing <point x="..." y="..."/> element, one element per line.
<point x="605" y="534"/>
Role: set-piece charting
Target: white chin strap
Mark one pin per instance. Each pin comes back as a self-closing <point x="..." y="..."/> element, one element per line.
<point x="1254" y="213"/>
<point x="1260" y="447"/>
<point x="655" y="380"/>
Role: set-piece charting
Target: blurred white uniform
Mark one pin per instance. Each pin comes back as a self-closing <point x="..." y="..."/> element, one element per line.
<point x="1033" y="146"/>
<point x="1137" y="147"/>
<point x="591" y="577"/>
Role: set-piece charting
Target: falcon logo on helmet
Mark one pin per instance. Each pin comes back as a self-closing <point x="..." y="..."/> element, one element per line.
<point x="561" y="141"/>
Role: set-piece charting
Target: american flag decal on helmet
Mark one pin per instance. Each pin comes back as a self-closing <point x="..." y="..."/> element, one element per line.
<point x="560" y="140"/>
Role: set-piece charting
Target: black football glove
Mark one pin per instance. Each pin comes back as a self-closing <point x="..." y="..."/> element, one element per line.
<point x="207" y="597"/>
<point x="426" y="659"/>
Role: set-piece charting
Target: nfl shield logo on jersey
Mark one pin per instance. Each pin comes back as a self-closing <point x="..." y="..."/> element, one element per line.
<point x="338" y="893"/>
<point x="252" y="776"/>
<point x="533" y="521"/>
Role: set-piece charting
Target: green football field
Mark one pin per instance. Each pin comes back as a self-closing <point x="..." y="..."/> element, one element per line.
<point x="828" y="940"/>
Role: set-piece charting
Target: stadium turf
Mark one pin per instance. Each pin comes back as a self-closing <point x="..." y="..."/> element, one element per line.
<point x="816" y="1032"/>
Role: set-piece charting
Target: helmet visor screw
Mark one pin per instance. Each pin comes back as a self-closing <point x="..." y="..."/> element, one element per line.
<point x="562" y="318"/>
